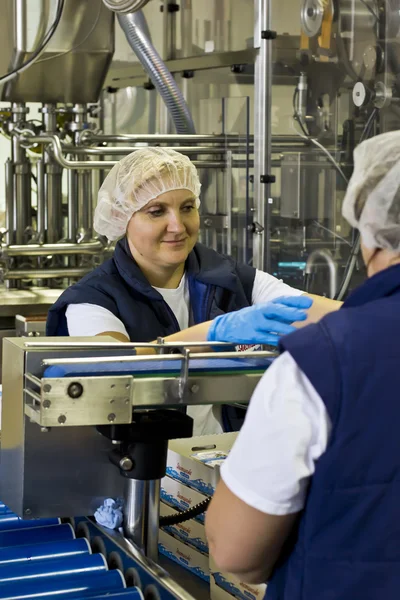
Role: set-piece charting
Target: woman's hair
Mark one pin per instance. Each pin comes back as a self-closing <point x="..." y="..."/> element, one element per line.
<point x="136" y="180"/>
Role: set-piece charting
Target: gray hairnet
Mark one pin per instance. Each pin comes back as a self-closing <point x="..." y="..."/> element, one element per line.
<point x="372" y="201"/>
<point x="137" y="179"/>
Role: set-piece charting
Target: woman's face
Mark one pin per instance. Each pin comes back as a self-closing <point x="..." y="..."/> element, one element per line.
<point x="165" y="230"/>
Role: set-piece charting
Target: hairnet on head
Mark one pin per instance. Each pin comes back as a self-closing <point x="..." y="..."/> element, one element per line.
<point x="137" y="179"/>
<point x="372" y="200"/>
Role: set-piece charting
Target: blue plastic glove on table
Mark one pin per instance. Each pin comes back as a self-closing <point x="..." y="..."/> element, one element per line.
<point x="261" y="323"/>
<point x="110" y="514"/>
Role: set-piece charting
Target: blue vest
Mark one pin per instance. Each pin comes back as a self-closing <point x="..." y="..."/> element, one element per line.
<point x="348" y="543"/>
<point x="217" y="285"/>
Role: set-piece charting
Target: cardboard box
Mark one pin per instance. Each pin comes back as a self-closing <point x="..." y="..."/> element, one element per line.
<point x="224" y="586"/>
<point x="190" y="532"/>
<point x="193" y="463"/>
<point x="179" y="496"/>
<point x="186" y="556"/>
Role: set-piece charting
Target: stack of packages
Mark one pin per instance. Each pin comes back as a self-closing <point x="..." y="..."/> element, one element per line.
<point x="192" y="475"/>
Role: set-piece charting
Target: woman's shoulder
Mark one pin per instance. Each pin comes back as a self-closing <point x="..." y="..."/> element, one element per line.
<point x="211" y="256"/>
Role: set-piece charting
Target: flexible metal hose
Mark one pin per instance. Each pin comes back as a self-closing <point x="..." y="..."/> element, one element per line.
<point x="157" y="71"/>
<point x="125" y="6"/>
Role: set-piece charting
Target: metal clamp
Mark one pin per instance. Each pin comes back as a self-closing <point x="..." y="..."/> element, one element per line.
<point x="184" y="375"/>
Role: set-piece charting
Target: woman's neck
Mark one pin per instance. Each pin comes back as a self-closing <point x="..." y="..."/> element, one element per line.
<point x="164" y="278"/>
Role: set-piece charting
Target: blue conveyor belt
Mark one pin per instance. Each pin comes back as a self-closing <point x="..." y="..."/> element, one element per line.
<point x="48" y="562"/>
<point x="160" y="368"/>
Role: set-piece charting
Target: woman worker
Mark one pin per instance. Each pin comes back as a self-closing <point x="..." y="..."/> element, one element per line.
<point x="316" y="466"/>
<point x="160" y="280"/>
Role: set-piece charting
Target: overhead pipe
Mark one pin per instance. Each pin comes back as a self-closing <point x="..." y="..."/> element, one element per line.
<point x="157" y="71"/>
<point x="63" y="273"/>
<point x="62" y="248"/>
<point x="26" y="138"/>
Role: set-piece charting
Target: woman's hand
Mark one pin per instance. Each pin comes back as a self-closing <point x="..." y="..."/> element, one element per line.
<point x="260" y="323"/>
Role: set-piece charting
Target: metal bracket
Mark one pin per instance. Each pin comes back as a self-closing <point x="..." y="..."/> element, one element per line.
<point x="267" y="178"/>
<point x="184" y="375"/>
<point x="74" y="401"/>
<point x="268" y="34"/>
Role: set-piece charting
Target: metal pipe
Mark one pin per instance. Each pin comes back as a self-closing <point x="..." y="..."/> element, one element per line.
<point x="350" y="268"/>
<point x="45" y="273"/>
<point x="9" y="202"/>
<point x="141" y="515"/>
<point x="21" y="180"/>
<point x="72" y="205"/>
<point x="100" y="150"/>
<point x="89" y="137"/>
<point x="41" y="201"/>
<point x="327" y="258"/>
<point x="93" y="247"/>
<point x="158" y="72"/>
<point x="91" y="164"/>
<point x="84" y="205"/>
<point x="53" y="183"/>
<point x="262" y="133"/>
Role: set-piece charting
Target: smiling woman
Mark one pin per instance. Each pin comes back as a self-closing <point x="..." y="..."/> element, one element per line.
<point x="162" y="283"/>
<point x="162" y="234"/>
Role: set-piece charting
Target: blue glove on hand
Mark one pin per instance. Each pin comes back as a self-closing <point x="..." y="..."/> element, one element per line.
<point x="260" y="323"/>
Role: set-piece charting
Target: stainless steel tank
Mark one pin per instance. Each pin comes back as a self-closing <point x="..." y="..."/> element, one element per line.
<point x="74" y="64"/>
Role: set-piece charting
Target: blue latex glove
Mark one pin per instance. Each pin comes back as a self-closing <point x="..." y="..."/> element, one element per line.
<point x="260" y="323"/>
<point x="110" y="514"/>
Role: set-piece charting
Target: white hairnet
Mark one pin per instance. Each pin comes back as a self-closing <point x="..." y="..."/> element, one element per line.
<point x="372" y="201"/>
<point x="137" y="179"/>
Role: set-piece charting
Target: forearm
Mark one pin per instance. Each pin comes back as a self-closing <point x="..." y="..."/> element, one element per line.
<point x="197" y="333"/>
<point x="321" y="306"/>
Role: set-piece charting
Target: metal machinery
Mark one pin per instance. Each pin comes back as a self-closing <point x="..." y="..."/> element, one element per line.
<point x="269" y="102"/>
<point x="84" y="420"/>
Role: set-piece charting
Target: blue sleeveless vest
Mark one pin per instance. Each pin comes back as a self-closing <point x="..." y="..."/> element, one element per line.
<point x="348" y="543"/>
<point x="217" y="285"/>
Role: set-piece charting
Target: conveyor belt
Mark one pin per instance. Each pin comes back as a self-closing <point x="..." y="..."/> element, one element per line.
<point x="48" y="559"/>
<point x="161" y="368"/>
<point x="44" y="559"/>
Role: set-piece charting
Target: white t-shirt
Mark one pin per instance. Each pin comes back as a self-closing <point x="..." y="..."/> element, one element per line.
<point x="286" y="431"/>
<point x="90" y="320"/>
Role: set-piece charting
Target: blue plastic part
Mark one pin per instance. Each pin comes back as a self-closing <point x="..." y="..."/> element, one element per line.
<point x="37" y="535"/>
<point x="157" y="367"/>
<point x="84" y="586"/>
<point x="47" y="551"/>
<point x="53" y="569"/>
<point x="10" y="521"/>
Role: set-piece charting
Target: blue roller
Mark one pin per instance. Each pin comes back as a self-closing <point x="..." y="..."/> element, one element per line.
<point x="157" y="368"/>
<point x="128" y="594"/>
<point x="84" y="586"/>
<point x="37" y="535"/>
<point x="46" y="551"/>
<point x="10" y="521"/>
<point x="4" y="510"/>
<point x="52" y="568"/>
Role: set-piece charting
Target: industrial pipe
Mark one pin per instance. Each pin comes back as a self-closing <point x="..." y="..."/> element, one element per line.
<point x="54" y="141"/>
<point x="125" y="6"/>
<point x="327" y="257"/>
<point x="157" y="71"/>
<point x="102" y="150"/>
<point x="62" y="248"/>
<point x="46" y="273"/>
<point x="89" y="137"/>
